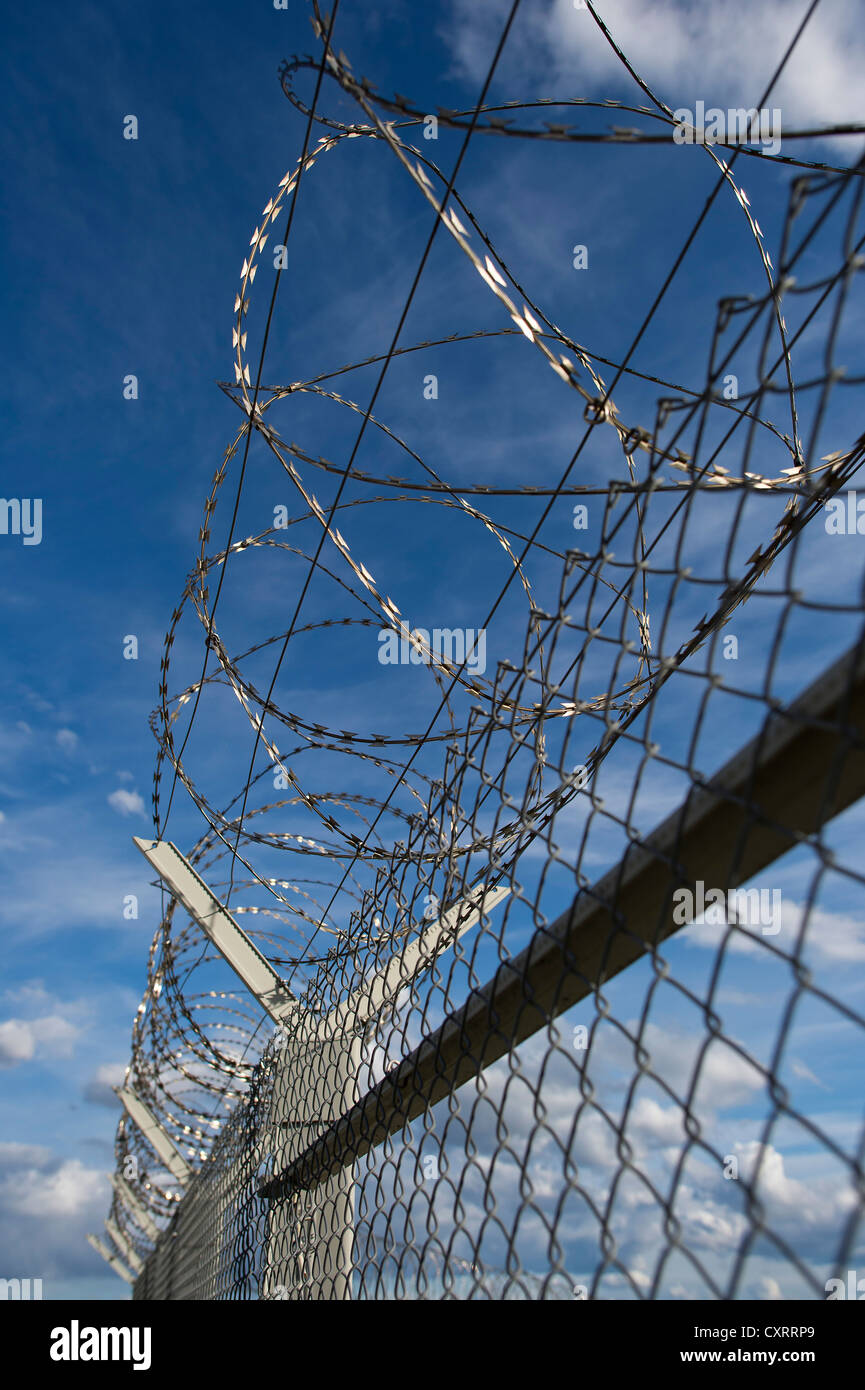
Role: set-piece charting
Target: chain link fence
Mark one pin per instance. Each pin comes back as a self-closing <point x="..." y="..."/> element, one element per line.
<point x="403" y="1154"/>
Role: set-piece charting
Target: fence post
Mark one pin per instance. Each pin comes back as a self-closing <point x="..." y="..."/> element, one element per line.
<point x="311" y="1226"/>
<point x="311" y="1233"/>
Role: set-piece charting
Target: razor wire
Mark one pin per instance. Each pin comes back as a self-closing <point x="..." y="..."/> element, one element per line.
<point x="520" y="1175"/>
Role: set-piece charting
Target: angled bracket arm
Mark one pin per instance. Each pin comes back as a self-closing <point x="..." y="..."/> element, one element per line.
<point x="113" y="1260"/>
<point x="134" y="1205"/>
<point x="418" y="955"/>
<point x="132" y="1258"/>
<point x="232" y="943"/>
<point x="154" y="1134"/>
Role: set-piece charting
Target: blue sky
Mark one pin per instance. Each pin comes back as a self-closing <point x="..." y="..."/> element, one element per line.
<point x="123" y="258"/>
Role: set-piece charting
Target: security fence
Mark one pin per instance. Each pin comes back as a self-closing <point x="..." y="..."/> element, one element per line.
<point x="457" y="1170"/>
<point x="558" y="995"/>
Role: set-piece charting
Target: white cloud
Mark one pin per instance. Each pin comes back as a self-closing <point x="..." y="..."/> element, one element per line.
<point x="127" y="803"/>
<point x="649" y="1120"/>
<point x="47" y="1204"/>
<point x="99" y="1088"/>
<point x="20" y="1039"/>
<point x="16" y="1043"/>
<point x="724" y="55"/>
<point x="726" y="1078"/>
<point x="14" y="1155"/>
<point x="64" y="1192"/>
<point x="770" y="1289"/>
<point x="832" y="937"/>
<point x="54" y="1034"/>
<point x="790" y="1203"/>
<point x="67" y="739"/>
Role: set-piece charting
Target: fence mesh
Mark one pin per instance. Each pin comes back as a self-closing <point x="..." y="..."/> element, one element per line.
<point x="575" y="963"/>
